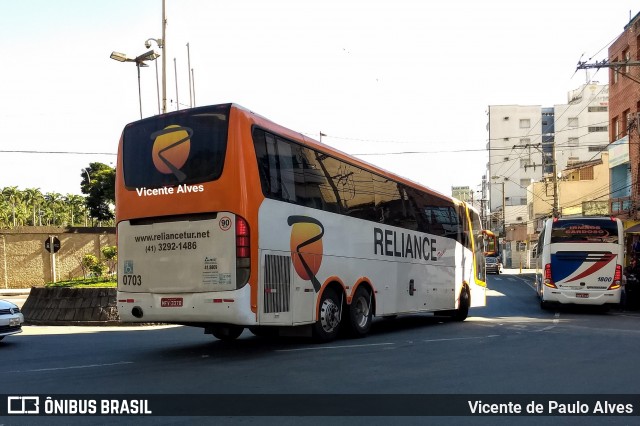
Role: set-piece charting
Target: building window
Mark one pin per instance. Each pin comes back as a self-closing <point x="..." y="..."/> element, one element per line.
<point x="525" y="141"/>
<point x="627" y="57"/>
<point x="625" y="122"/>
<point x="616" y="129"/>
<point x="598" y="109"/>
<point x="573" y="122"/>
<point x="586" y="173"/>
<point x="614" y="72"/>
<point x="598" y="129"/>
<point x="573" y="142"/>
<point x="525" y="123"/>
<point x="599" y="148"/>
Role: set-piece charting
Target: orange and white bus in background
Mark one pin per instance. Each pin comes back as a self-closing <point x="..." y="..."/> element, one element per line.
<point x="228" y="221"/>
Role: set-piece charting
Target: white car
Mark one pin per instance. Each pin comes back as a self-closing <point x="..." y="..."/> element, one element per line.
<point x="11" y="319"/>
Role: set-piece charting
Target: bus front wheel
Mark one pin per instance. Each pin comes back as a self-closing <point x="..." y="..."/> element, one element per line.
<point x="463" y="307"/>
<point x="327" y="326"/>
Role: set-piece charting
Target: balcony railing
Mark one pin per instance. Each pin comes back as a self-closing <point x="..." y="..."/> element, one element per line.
<point x="618" y="206"/>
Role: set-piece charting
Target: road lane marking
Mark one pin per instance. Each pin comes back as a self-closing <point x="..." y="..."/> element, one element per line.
<point x="333" y="347"/>
<point x="72" y="367"/>
<point x="460" y="338"/>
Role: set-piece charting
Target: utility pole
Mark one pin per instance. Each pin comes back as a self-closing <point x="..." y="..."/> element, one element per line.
<point x="504" y="213"/>
<point x="556" y="204"/>
<point x="606" y="64"/>
<point x="164" y="58"/>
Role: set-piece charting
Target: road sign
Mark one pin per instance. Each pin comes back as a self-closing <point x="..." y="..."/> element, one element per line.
<point x="56" y="244"/>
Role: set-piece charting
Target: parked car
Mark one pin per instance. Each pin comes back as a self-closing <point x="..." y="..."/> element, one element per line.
<point x="11" y="319"/>
<point x="493" y="265"/>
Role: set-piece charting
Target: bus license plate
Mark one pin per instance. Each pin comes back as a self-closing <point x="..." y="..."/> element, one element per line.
<point x="582" y="295"/>
<point x="171" y="302"/>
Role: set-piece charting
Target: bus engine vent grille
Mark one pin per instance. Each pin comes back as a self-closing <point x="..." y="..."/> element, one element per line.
<point x="277" y="283"/>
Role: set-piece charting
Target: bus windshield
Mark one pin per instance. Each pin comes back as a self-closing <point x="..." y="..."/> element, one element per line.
<point x="584" y="230"/>
<point x="181" y="148"/>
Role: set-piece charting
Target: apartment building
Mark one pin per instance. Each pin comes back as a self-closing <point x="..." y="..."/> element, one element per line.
<point x="624" y="119"/>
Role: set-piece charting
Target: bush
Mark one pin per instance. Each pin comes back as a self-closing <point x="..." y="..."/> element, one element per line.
<point x="110" y="254"/>
<point x="93" y="265"/>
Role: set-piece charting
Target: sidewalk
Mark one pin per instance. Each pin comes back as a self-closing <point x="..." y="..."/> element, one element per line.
<point x="14" y="291"/>
<point x="517" y="271"/>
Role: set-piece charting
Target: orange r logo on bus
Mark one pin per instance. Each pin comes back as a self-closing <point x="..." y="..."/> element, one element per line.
<point x="306" y="232"/>
<point x="171" y="147"/>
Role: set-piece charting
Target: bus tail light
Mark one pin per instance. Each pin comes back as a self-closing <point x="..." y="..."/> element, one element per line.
<point x="617" y="279"/>
<point x="548" y="281"/>
<point x="243" y="252"/>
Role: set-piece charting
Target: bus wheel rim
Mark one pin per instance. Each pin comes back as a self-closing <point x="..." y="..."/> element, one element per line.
<point x="361" y="312"/>
<point x="329" y="315"/>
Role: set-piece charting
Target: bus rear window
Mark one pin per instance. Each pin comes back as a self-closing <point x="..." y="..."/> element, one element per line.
<point x="185" y="147"/>
<point x="584" y="230"/>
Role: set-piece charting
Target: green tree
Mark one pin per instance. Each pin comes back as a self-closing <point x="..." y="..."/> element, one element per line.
<point x="99" y="183"/>
<point x="33" y="198"/>
<point x="75" y="205"/>
<point x="53" y="208"/>
<point x="13" y="197"/>
<point x="110" y="254"/>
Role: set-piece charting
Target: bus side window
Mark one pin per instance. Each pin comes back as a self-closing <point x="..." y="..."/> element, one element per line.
<point x="318" y="169"/>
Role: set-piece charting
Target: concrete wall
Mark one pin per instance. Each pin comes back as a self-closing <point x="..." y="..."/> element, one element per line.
<point x="24" y="262"/>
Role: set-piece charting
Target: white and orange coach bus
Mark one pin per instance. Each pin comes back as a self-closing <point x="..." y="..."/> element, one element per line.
<point x="228" y="221"/>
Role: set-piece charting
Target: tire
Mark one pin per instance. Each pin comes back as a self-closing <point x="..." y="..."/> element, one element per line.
<point x="544" y="305"/>
<point x="462" y="312"/>
<point x="360" y="313"/>
<point x="227" y="332"/>
<point x="327" y="326"/>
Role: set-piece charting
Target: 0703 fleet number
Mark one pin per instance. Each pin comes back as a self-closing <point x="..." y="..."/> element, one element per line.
<point x="132" y="280"/>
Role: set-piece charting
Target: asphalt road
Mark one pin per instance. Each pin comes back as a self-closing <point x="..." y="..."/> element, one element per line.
<point x="510" y="347"/>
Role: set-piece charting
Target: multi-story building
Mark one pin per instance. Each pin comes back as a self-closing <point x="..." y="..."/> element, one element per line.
<point x="515" y="153"/>
<point x="581" y="125"/>
<point x="525" y="142"/>
<point x="624" y="119"/>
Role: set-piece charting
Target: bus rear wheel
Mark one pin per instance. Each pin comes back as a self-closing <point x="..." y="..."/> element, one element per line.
<point x="226" y="332"/>
<point x="360" y="313"/>
<point x="327" y="326"/>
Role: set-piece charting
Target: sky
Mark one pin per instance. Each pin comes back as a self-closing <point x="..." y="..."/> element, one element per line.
<point x="404" y="85"/>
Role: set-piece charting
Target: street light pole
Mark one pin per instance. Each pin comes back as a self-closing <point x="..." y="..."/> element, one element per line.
<point x="160" y="43"/>
<point x="164" y="58"/>
<point x="139" y="91"/>
<point x="140" y="61"/>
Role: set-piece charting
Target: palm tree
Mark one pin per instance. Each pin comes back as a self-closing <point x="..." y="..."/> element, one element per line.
<point x="54" y="200"/>
<point x="75" y="203"/>
<point x="13" y="196"/>
<point x="33" y="198"/>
